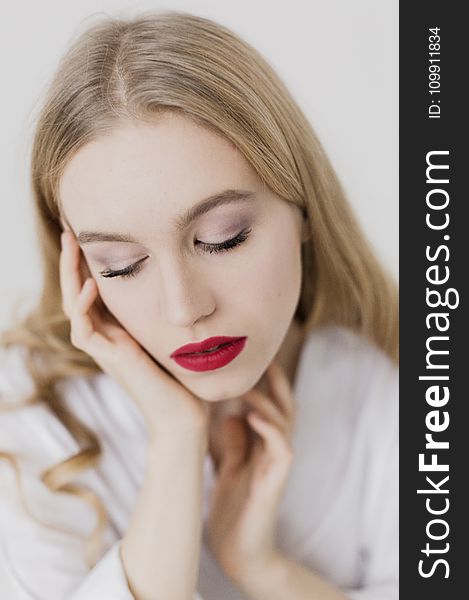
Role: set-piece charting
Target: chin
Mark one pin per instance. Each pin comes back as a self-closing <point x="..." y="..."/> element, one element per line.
<point x="214" y="395"/>
<point x="219" y="391"/>
<point x="218" y="385"/>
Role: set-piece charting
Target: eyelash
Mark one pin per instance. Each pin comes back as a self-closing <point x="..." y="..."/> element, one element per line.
<point x="225" y="246"/>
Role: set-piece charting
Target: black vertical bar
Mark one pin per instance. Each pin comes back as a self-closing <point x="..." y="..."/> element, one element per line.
<point x="433" y="119"/>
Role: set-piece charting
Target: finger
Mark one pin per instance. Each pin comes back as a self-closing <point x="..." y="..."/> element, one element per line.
<point x="83" y="331"/>
<point x="88" y="307"/>
<point x="277" y="446"/>
<point x="64" y="223"/>
<point x="281" y="389"/>
<point x="233" y="444"/>
<point x="83" y="266"/>
<point x="69" y="275"/>
<point x="266" y="407"/>
<point x="86" y="297"/>
<point x="82" y="325"/>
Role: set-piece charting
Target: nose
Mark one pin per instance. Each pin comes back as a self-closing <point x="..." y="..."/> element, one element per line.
<point x="186" y="296"/>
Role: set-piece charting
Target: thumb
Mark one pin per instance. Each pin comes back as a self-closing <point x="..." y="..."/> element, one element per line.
<point x="233" y="444"/>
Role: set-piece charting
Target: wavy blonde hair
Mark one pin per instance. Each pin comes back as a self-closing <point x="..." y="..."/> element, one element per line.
<point x="172" y="61"/>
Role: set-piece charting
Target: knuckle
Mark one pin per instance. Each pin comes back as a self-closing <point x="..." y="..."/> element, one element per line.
<point x="65" y="309"/>
<point x="75" y="342"/>
<point x="75" y="338"/>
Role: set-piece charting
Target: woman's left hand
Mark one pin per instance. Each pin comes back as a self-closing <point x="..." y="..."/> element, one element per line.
<point x="251" y="472"/>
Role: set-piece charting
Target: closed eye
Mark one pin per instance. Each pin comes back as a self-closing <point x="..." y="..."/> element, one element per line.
<point x="225" y="246"/>
<point x="129" y="271"/>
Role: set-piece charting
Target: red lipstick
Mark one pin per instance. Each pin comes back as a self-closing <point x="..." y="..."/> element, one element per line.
<point x="212" y="353"/>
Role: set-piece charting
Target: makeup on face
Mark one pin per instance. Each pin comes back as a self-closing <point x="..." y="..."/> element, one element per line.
<point x="186" y="244"/>
<point x="181" y="223"/>
<point x="209" y="354"/>
<point x="223" y="223"/>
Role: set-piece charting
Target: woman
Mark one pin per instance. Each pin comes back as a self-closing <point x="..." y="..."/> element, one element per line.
<point x="212" y="365"/>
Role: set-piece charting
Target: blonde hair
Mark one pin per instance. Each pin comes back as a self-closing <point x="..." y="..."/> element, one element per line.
<point x="172" y="61"/>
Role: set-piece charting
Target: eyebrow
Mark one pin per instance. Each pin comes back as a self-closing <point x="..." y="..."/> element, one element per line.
<point x="182" y="221"/>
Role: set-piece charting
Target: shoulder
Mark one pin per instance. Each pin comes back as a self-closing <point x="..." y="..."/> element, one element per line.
<point x="338" y="349"/>
<point x="336" y="355"/>
<point x="33" y="430"/>
<point x="28" y="430"/>
<point x="345" y="377"/>
<point x="16" y="389"/>
<point x="16" y="383"/>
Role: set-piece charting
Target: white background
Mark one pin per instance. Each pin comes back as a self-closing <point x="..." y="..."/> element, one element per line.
<point x="338" y="57"/>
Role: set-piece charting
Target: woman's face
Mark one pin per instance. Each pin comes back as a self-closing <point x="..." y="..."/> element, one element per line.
<point x="142" y="182"/>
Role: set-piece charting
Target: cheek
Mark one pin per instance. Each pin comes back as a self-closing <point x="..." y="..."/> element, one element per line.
<point x="274" y="275"/>
<point x="121" y="304"/>
<point x="268" y="277"/>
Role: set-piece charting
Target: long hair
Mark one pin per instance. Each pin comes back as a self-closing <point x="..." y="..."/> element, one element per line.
<point x="132" y="69"/>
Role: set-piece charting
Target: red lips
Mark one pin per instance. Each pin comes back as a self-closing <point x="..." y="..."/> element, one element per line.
<point x="207" y="344"/>
<point x="202" y="356"/>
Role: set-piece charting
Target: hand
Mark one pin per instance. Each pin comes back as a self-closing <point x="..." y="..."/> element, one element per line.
<point x="166" y="404"/>
<point x="250" y="479"/>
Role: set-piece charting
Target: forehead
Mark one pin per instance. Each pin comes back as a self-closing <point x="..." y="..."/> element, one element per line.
<point x="150" y="169"/>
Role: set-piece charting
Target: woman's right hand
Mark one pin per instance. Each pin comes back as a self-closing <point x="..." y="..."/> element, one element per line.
<point x="168" y="407"/>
